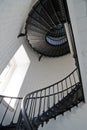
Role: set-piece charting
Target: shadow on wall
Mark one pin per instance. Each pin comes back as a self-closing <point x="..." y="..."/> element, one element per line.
<point x="12" y="16"/>
<point x="39" y="74"/>
<point x="46" y="72"/>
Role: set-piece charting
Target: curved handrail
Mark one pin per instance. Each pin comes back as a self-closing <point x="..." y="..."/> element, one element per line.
<point x="53" y="93"/>
<point x="4" y="96"/>
<point x="54" y="83"/>
<point x="39" y="101"/>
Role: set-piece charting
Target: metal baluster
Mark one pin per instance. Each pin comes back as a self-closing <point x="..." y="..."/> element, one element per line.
<point x="53" y="96"/>
<point x="27" y="108"/>
<point x="31" y="113"/>
<point x="70" y="82"/>
<point x="44" y="100"/>
<point x="6" y="111"/>
<point x="35" y="104"/>
<point x="27" y="102"/>
<point x="58" y="91"/>
<point x="15" y="110"/>
<point x="40" y="104"/>
<point x="48" y="102"/>
<point x="74" y="78"/>
<point x="77" y="95"/>
<point x="66" y="86"/>
<point x="77" y="72"/>
<point x="62" y="90"/>
<point x="30" y="106"/>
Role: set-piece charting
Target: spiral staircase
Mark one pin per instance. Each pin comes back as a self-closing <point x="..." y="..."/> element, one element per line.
<point x="46" y="34"/>
<point x="44" y="28"/>
<point x="38" y="107"/>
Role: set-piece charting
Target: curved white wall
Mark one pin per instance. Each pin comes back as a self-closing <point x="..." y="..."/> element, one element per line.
<point x="12" y="17"/>
<point x="77" y="118"/>
<point x="39" y="74"/>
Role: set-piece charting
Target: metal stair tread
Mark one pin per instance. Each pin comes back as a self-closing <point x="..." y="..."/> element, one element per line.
<point x="57" y="109"/>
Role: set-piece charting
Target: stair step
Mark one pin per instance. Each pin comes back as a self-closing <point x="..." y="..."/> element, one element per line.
<point x="33" y="33"/>
<point x="50" y="10"/>
<point x="37" y="24"/>
<point x="60" y="11"/>
<point x="37" y="17"/>
<point x="35" y="29"/>
<point x="62" y="106"/>
<point x="43" y="13"/>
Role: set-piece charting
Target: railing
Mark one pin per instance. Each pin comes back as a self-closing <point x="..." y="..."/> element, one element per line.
<point x="36" y="103"/>
<point x="40" y="101"/>
<point x="9" y="110"/>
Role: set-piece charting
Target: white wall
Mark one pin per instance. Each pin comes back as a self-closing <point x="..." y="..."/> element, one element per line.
<point x="77" y="118"/>
<point x="39" y="74"/>
<point x="78" y="13"/>
<point x="12" y="18"/>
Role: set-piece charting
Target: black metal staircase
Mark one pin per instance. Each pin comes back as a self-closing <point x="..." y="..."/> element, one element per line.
<point x="45" y="33"/>
<point x="47" y="18"/>
<point x="42" y="105"/>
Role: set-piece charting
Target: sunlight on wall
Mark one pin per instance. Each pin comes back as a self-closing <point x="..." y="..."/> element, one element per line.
<point x="6" y="75"/>
<point x="13" y="75"/>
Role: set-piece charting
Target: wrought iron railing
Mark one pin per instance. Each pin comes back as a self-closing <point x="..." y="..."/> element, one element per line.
<point x="9" y="110"/>
<point x="41" y="105"/>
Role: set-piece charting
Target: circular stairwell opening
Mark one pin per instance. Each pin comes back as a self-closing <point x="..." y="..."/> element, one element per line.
<point x="56" y="36"/>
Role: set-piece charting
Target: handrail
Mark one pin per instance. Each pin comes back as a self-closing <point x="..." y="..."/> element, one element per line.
<point x="67" y="91"/>
<point x="31" y="105"/>
<point x="54" y="83"/>
<point x="53" y="93"/>
<point x="36" y="103"/>
<point x="11" y="97"/>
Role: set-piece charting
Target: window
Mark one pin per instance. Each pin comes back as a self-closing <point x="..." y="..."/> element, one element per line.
<point x="6" y="75"/>
<point x="13" y="75"/>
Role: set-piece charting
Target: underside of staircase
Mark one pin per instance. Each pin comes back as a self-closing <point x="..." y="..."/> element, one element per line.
<point x="42" y="105"/>
<point x="44" y="28"/>
<point x="45" y="33"/>
<point x="69" y="101"/>
<point x="38" y="107"/>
